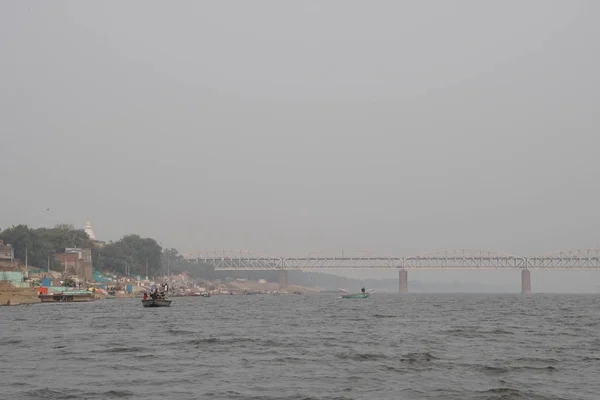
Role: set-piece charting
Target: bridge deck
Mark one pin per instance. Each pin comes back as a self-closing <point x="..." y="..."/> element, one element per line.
<point x="439" y="260"/>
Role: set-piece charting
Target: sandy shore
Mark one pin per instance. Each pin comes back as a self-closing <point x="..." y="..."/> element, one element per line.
<point x="12" y="296"/>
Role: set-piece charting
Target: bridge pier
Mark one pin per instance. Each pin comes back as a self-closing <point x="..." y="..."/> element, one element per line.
<point x="282" y="279"/>
<point x="403" y="284"/>
<point x="525" y="281"/>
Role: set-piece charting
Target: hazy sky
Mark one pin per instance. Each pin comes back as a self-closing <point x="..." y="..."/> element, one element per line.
<point x="286" y="127"/>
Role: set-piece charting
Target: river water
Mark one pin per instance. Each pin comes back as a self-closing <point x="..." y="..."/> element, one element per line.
<point x="305" y="347"/>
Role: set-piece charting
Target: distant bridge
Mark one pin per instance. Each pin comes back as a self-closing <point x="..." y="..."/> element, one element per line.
<point x="231" y="259"/>
<point x="456" y="259"/>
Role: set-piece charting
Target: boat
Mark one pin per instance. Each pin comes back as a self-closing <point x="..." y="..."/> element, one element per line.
<point x="67" y="296"/>
<point x="356" y="296"/>
<point x="156" y="303"/>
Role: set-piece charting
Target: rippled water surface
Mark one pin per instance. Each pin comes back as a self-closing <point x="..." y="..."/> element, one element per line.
<point x="305" y="347"/>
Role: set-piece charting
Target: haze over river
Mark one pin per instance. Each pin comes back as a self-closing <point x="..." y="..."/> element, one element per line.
<point x="305" y="347"/>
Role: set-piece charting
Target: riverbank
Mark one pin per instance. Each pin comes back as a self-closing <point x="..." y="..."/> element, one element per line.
<point x="12" y="296"/>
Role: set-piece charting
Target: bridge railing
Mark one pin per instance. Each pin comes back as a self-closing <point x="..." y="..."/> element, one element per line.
<point x="342" y="263"/>
<point x="442" y="259"/>
<point x="567" y="259"/>
<point x="235" y="259"/>
<point x="465" y="259"/>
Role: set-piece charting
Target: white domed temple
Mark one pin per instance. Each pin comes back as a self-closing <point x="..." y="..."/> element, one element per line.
<point x="88" y="229"/>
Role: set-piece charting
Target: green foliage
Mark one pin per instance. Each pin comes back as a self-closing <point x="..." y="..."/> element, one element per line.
<point x="65" y="236"/>
<point x="131" y="253"/>
<point x="42" y="244"/>
<point x="175" y="263"/>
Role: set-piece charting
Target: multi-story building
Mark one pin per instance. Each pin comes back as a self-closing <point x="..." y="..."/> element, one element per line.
<point x="6" y="251"/>
<point x="77" y="261"/>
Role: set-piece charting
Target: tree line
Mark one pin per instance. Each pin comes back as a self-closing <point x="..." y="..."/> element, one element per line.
<point x="132" y="253"/>
<point x="42" y="244"/>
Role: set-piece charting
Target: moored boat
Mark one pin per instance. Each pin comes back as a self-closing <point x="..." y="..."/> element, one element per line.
<point x="67" y="296"/>
<point x="156" y="303"/>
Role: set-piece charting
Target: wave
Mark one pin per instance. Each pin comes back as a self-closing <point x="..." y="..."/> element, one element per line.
<point x="588" y="358"/>
<point x="10" y="342"/>
<point x="361" y="356"/>
<point x="51" y="394"/>
<point x="146" y="356"/>
<point x="537" y="359"/>
<point x="414" y="357"/>
<point x="395" y="369"/>
<point x="228" y="341"/>
<point x="494" y="370"/>
<point x="180" y="332"/>
<point x="467" y="332"/>
<point x="501" y="332"/>
<point x="504" y="392"/>
<point x="133" y="349"/>
<point x="533" y="368"/>
<point x="289" y="359"/>
<point x="112" y="394"/>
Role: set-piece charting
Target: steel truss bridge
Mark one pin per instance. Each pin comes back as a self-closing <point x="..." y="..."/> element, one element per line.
<point x="472" y="259"/>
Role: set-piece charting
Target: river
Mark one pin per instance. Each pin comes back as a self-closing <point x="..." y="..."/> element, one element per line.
<point x="413" y="346"/>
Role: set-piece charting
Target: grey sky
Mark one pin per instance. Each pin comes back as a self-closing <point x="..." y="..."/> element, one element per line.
<point x="286" y="127"/>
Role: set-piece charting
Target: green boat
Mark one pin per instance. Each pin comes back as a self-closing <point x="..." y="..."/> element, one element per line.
<point x="356" y="296"/>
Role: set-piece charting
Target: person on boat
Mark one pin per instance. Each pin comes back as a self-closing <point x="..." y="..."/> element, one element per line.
<point x="145" y="296"/>
<point x="362" y="290"/>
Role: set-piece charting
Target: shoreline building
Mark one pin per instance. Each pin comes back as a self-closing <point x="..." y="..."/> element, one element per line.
<point x="77" y="261"/>
<point x="7" y="255"/>
<point x="6" y="251"/>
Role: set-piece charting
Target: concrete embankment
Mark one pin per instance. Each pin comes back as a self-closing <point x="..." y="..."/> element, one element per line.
<point x="11" y="295"/>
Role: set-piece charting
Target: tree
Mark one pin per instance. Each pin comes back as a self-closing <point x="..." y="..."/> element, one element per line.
<point x="175" y="263"/>
<point x="42" y="244"/>
<point x="66" y="236"/>
<point x="132" y="252"/>
<point x="26" y="241"/>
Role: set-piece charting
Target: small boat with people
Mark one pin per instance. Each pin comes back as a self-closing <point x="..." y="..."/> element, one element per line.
<point x="156" y="298"/>
<point x="362" y="295"/>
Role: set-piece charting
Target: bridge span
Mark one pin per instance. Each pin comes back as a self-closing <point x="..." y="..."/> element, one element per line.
<point x="456" y="259"/>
